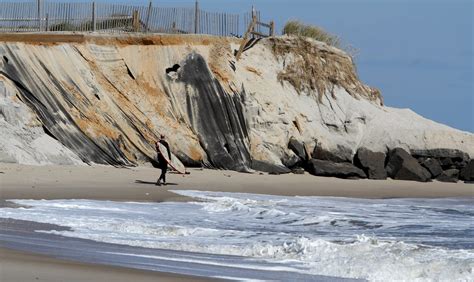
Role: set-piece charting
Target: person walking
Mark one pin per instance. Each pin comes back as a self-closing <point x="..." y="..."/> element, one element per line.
<point x="163" y="163"/>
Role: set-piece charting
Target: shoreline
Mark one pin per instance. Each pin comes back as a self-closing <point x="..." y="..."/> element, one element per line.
<point x="19" y="266"/>
<point x="137" y="184"/>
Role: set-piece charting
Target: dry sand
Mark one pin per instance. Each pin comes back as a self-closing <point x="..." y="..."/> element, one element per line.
<point x="137" y="184"/>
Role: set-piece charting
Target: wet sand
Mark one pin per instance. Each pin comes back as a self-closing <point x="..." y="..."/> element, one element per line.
<point x="137" y="184"/>
<point x="24" y="267"/>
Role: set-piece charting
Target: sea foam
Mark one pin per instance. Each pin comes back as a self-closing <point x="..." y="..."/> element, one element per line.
<point x="398" y="239"/>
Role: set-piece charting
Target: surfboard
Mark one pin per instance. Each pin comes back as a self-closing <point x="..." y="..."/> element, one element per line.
<point x="174" y="163"/>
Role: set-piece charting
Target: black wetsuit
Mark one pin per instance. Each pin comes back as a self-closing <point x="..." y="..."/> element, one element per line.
<point x="163" y="164"/>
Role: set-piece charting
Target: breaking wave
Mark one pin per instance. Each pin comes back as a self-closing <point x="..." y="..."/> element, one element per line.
<point x="397" y="239"/>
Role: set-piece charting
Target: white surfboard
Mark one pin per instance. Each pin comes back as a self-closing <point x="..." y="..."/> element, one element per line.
<point x="174" y="163"/>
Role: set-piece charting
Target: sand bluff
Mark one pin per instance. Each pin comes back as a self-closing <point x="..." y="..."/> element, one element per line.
<point x="105" y="99"/>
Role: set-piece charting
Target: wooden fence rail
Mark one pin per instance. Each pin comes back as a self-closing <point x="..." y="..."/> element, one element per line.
<point x="94" y="16"/>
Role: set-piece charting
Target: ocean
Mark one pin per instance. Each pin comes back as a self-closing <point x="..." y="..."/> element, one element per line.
<point x="258" y="237"/>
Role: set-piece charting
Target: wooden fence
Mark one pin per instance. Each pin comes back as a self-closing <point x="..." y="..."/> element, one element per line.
<point x="44" y="16"/>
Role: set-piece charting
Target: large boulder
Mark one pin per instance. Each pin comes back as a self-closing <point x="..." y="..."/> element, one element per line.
<point x="339" y="155"/>
<point x="268" y="167"/>
<point x="460" y="164"/>
<point x="291" y="160"/>
<point x="454" y="154"/>
<point x="450" y="175"/>
<point x="433" y="166"/>
<point x="446" y="163"/>
<point x="402" y="166"/>
<point x="371" y="162"/>
<point x="328" y="168"/>
<point x="467" y="173"/>
<point x="297" y="147"/>
<point x="298" y="170"/>
<point x="449" y="158"/>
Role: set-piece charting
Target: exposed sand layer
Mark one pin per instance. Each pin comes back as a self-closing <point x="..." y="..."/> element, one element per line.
<point x="107" y="98"/>
<point x="52" y="38"/>
<point x="137" y="184"/>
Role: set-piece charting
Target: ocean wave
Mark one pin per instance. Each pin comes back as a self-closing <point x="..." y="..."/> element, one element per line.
<point x="369" y="239"/>
<point x="364" y="258"/>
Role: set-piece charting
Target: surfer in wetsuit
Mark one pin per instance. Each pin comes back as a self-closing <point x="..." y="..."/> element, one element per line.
<point x="163" y="163"/>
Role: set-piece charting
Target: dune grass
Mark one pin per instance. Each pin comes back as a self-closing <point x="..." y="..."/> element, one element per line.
<point x="297" y="28"/>
<point x="314" y="69"/>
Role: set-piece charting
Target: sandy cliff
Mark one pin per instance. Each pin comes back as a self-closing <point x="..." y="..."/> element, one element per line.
<point x="106" y="99"/>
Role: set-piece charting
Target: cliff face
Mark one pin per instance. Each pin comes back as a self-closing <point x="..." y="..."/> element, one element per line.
<point x="106" y="99"/>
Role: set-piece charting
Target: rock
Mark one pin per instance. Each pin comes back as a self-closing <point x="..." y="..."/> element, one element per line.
<point x="298" y="170"/>
<point x="453" y="154"/>
<point x="371" y="162"/>
<point x="297" y="147"/>
<point x="450" y="175"/>
<point x="448" y="158"/>
<point x="446" y="163"/>
<point x="439" y="153"/>
<point x="187" y="161"/>
<point x="270" y="168"/>
<point x="467" y="173"/>
<point x="291" y="161"/>
<point x="433" y="166"/>
<point x="339" y="155"/>
<point x="402" y="166"/>
<point x="328" y="168"/>
<point x="460" y="164"/>
<point x="422" y="159"/>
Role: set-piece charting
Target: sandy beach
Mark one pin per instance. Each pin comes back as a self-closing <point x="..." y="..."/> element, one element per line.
<point x="137" y="184"/>
<point x="24" y="267"/>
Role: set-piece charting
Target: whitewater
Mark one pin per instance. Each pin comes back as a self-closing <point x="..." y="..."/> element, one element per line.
<point x="373" y="239"/>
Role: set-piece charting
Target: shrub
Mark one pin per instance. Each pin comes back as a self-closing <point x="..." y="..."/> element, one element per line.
<point x="298" y="28"/>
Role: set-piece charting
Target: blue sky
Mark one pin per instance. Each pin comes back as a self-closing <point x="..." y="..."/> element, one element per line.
<point x="418" y="52"/>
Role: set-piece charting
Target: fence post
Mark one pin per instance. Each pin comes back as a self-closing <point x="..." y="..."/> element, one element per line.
<point x="245" y="39"/>
<point x="94" y="17"/>
<point x="39" y="14"/>
<point x="136" y="21"/>
<point x="196" y="17"/>
<point x="47" y="22"/>
<point x="148" y="16"/>
<point x="272" y="28"/>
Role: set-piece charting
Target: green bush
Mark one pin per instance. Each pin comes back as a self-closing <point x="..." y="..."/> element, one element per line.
<point x="298" y="28"/>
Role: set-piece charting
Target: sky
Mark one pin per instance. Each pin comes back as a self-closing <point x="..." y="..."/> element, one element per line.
<point x="419" y="53"/>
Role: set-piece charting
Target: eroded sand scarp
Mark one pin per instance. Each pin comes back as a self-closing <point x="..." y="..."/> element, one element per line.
<point x="105" y="99"/>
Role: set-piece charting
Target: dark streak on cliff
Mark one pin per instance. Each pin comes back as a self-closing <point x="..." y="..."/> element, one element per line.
<point x="216" y="116"/>
<point x="55" y="118"/>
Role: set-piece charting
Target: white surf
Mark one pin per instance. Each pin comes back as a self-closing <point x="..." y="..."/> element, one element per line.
<point x="380" y="240"/>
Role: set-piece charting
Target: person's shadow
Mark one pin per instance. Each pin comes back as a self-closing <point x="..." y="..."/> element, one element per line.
<point x="148" y="182"/>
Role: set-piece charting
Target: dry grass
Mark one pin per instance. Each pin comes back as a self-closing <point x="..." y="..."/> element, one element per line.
<point x="315" y="68"/>
<point x="298" y="28"/>
<point x="254" y="70"/>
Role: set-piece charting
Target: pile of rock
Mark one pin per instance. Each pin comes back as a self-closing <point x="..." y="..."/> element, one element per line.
<point x="446" y="165"/>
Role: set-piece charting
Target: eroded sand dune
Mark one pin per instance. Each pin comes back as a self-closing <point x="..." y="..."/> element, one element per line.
<point x="66" y="98"/>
